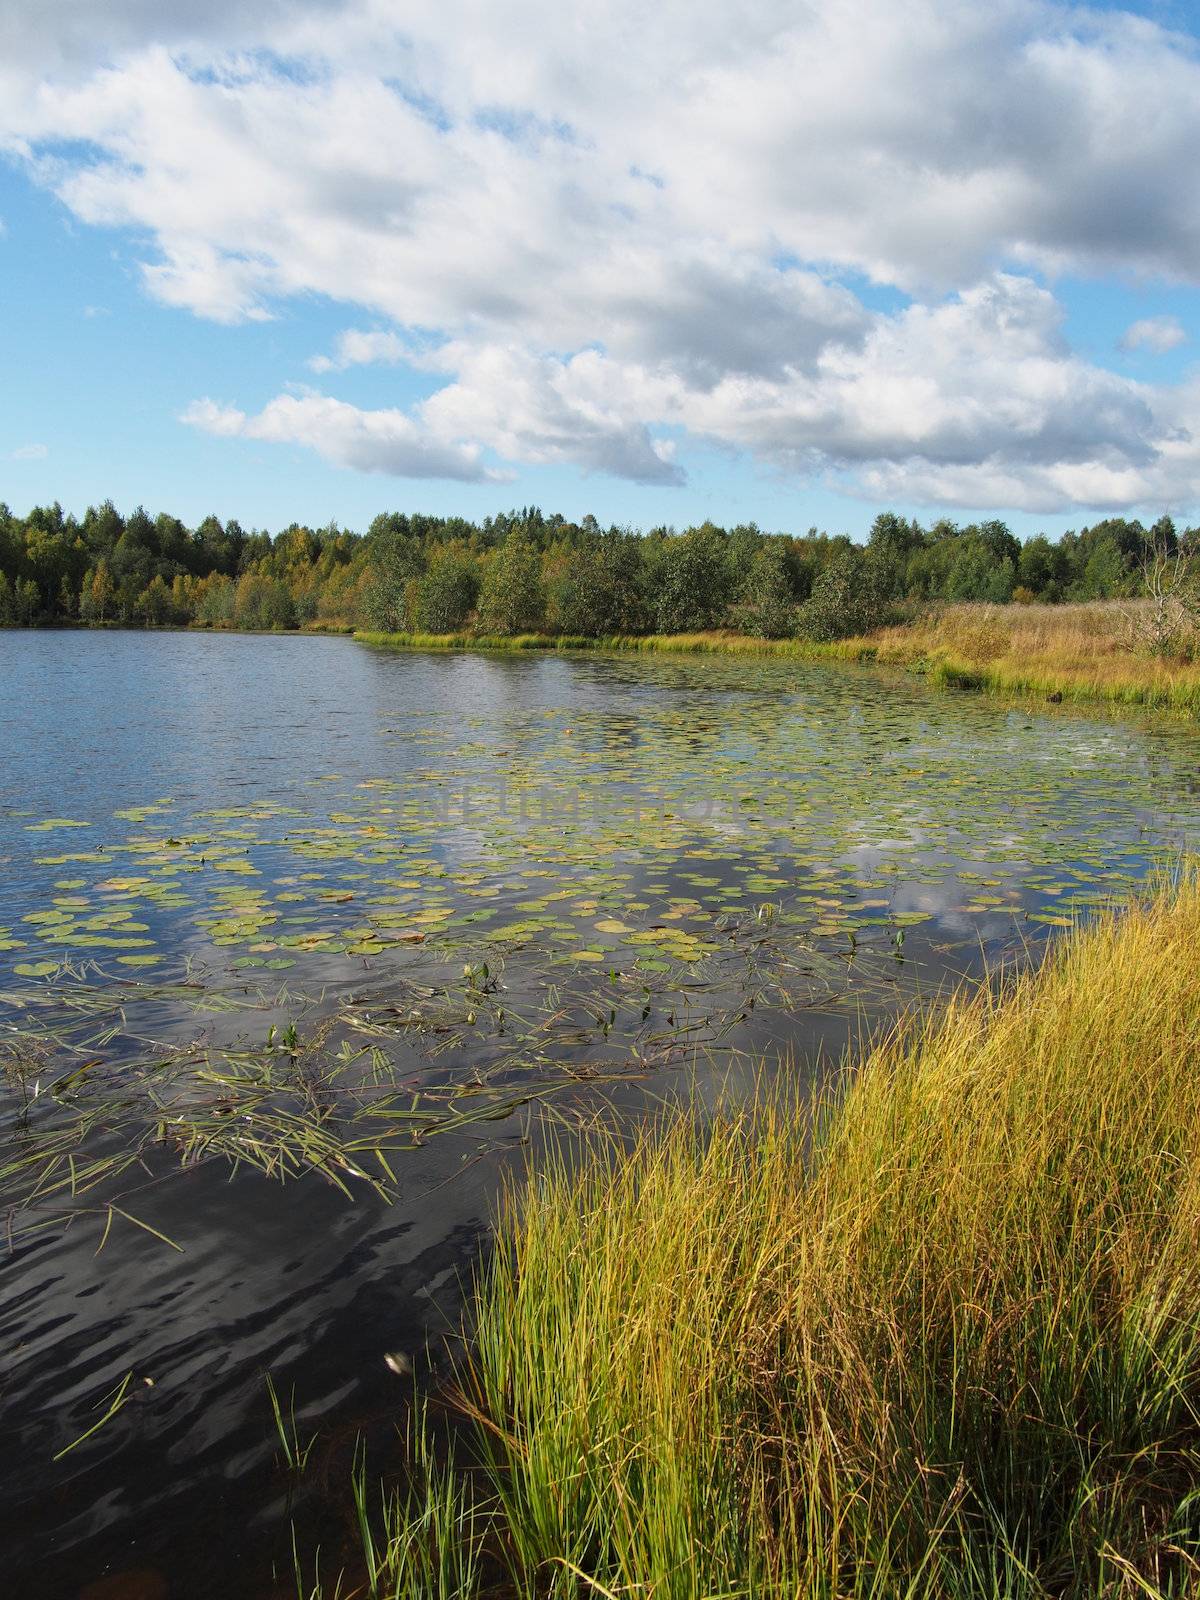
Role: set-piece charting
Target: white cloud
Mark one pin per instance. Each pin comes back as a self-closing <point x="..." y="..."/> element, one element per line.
<point x="1158" y="334"/>
<point x="371" y="441"/>
<point x="359" y="347"/>
<point x="226" y="422"/>
<point x="986" y="371"/>
<point x="976" y="401"/>
<point x="539" y="409"/>
<point x="599" y="226"/>
<point x="29" y="452"/>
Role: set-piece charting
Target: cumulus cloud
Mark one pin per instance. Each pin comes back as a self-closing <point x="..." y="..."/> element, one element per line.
<point x="29" y="452"/>
<point x="600" y="229"/>
<point x="976" y="401"/>
<point x="358" y="347"/>
<point x="1158" y="334"/>
<point x="385" y="440"/>
<point x="986" y="371"/>
<point x="540" y="409"/>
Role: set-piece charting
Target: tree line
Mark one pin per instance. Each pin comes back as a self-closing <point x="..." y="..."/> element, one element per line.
<point x="529" y="572"/>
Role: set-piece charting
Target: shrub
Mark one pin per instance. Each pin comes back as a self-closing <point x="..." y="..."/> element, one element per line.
<point x="512" y="600"/>
<point x="693" y="583"/>
<point x="768" y="597"/>
<point x="445" y="595"/>
<point x="849" y="597"/>
<point x="594" y="588"/>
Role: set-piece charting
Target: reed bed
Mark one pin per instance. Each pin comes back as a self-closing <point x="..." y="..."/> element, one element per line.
<point x="1076" y="652"/>
<point x="944" y="1342"/>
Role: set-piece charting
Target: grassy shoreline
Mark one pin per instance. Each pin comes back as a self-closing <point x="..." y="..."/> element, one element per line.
<point x="952" y="1349"/>
<point x="1080" y="652"/>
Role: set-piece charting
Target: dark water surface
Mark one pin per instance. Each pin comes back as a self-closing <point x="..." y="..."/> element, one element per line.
<point x="289" y="903"/>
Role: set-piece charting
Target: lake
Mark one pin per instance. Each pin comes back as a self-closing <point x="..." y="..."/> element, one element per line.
<point x="304" y="945"/>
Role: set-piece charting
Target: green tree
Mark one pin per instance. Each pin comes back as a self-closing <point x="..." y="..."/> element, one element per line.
<point x="891" y="544"/>
<point x="977" y="574"/>
<point x="512" y="599"/>
<point x="217" y="602"/>
<point x="101" y="527"/>
<point x="443" y="597"/>
<point x="154" y="603"/>
<point x="172" y="543"/>
<point x="26" y="603"/>
<point x="850" y="596"/>
<point x="692" y="581"/>
<point x="263" y="603"/>
<point x="596" y="589"/>
<point x="1000" y="542"/>
<point x="98" y="594"/>
<point x="51" y="556"/>
<point x="1041" y="568"/>
<point x="216" y="548"/>
<point x="395" y="564"/>
<point x="1104" y="572"/>
<point x="132" y="562"/>
<point x="768" y="598"/>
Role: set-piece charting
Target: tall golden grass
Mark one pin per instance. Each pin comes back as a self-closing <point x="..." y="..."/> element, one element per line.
<point x="1084" y="652"/>
<point x="947" y="1343"/>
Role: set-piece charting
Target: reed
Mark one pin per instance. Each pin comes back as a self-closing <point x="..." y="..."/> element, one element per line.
<point x="946" y="1342"/>
<point x="1078" y="652"/>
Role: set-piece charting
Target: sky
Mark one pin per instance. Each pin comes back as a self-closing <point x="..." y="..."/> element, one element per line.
<point x="789" y="263"/>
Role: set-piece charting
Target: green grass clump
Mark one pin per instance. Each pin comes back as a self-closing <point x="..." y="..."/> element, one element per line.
<point x="476" y="641"/>
<point x="949" y="674"/>
<point x="948" y="1345"/>
<point x="714" y="642"/>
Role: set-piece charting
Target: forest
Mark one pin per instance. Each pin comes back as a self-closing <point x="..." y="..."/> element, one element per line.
<point x="529" y="572"/>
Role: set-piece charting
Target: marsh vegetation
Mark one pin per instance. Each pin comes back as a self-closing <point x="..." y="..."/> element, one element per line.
<point x="945" y="1345"/>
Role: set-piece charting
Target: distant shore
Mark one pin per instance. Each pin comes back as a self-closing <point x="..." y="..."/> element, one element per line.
<point x="1069" y="652"/>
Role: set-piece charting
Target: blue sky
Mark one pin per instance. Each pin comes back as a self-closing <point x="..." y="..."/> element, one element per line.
<point x="927" y="308"/>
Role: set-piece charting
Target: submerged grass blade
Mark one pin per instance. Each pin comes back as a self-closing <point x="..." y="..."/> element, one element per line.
<point x="116" y="1399"/>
